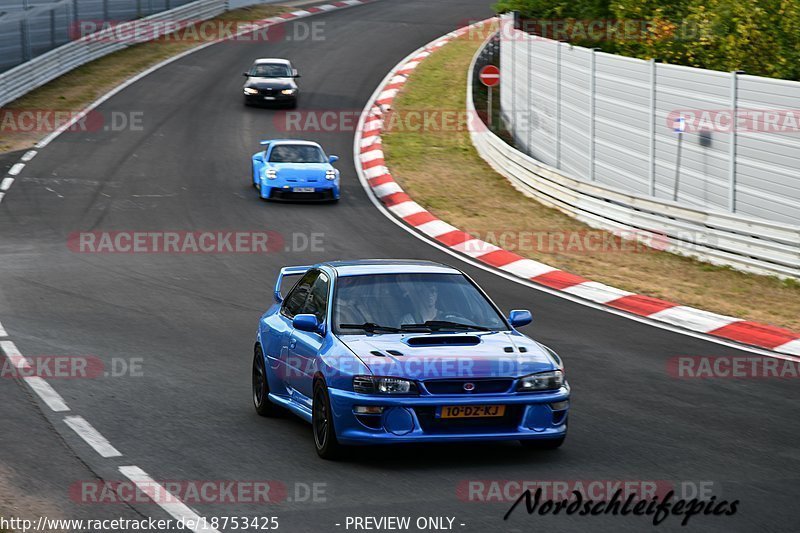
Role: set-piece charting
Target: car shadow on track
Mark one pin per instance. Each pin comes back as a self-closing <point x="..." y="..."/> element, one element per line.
<point x="427" y="455"/>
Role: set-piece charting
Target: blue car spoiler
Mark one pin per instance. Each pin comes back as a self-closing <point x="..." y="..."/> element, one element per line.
<point x="264" y="143"/>
<point x="287" y="271"/>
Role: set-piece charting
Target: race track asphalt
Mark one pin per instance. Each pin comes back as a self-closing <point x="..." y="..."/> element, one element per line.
<point x="191" y="318"/>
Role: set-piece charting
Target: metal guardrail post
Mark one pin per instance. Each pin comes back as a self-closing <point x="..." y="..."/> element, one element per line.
<point x="652" y="126"/>
<point x="732" y="143"/>
<point x="25" y="34"/>
<point x="558" y="104"/>
<point x="529" y="140"/>
<point x="52" y="28"/>
<point x="512" y="126"/>
<point x="592" y="109"/>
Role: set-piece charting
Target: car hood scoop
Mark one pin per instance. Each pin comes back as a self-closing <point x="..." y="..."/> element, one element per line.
<point x="428" y="356"/>
<point x="443" y="340"/>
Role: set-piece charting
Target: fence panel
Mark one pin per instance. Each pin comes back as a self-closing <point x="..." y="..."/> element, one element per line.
<point x="610" y="120"/>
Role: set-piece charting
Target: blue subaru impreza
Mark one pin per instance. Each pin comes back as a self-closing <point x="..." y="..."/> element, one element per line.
<point x="295" y="170"/>
<point x="384" y="351"/>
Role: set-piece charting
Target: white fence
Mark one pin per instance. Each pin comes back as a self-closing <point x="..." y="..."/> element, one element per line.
<point x="609" y="120"/>
<point x="747" y="243"/>
<point x="50" y="65"/>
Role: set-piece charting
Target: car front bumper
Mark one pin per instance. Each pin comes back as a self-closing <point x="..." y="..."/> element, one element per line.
<point x="323" y="191"/>
<point x="414" y="418"/>
<point x="260" y="99"/>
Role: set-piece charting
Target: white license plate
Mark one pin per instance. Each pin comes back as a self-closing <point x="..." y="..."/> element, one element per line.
<point x="302" y="189"/>
<point x="269" y="98"/>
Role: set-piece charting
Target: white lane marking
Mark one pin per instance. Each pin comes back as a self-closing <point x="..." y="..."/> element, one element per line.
<point x="16" y="169"/>
<point x="362" y="178"/>
<point x="13" y="354"/>
<point x="37" y="384"/>
<point x="30" y="154"/>
<point x="3" y="332"/>
<point x="53" y="400"/>
<point x="2" y="194"/>
<point x="176" y="508"/>
<point x="92" y="437"/>
<point x="6" y="183"/>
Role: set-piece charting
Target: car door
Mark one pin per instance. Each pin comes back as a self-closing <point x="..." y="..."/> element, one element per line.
<point x="293" y="304"/>
<point x="304" y="346"/>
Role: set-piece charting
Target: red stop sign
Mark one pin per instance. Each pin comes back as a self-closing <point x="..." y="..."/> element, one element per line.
<point x="489" y="75"/>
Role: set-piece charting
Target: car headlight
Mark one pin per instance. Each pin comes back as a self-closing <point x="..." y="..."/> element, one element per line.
<point x="330" y="175"/>
<point x="288" y="91"/>
<point x="250" y="90"/>
<point x="552" y="380"/>
<point x="271" y="174"/>
<point x="378" y="385"/>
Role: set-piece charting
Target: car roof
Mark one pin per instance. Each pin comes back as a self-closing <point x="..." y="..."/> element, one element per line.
<point x="388" y="266"/>
<point x="271" y="60"/>
<point x="276" y="142"/>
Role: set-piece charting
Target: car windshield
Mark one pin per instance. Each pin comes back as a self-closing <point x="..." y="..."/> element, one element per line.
<point x="388" y="303"/>
<point x="297" y="153"/>
<point x="270" y="70"/>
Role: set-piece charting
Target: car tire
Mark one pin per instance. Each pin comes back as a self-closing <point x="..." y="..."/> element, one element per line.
<point x="543" y="444"/>
<point x="325" y="440"/>
<point x="261" y="401"/>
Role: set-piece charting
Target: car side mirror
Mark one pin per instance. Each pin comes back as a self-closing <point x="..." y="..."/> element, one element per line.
<point x="295" y="74"/>
<point x="305" y="322"/>
<point x="245" y="74"/>
<point x="520" y="317"/>
<point x="259" y="157"/>
<point x="333" y="159"/>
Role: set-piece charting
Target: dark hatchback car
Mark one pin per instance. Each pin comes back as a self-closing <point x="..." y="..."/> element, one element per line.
<point x="271" y="81"/>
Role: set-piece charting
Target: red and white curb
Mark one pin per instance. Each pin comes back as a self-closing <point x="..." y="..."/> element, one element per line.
<point x="15" y="170"/>
<point x="372" y="166"/>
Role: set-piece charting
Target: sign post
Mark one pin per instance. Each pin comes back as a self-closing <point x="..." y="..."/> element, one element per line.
<point x="489" y="76"/>
<point x="679" y="126"/>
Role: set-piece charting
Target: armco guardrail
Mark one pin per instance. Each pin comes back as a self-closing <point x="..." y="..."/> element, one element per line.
<point x="50" y="65"/>
<point x="742" y="242"/>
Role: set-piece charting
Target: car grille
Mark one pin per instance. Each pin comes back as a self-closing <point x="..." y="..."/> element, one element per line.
<point x="281" y="194"/>
<point x="268" y="92"/>
<point x="456" y="386"/>
<point x="430" y="424"/>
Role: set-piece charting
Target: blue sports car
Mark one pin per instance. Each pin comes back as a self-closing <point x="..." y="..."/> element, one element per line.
<point x="384" y="351"/>
<point x="295" y="170"/>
